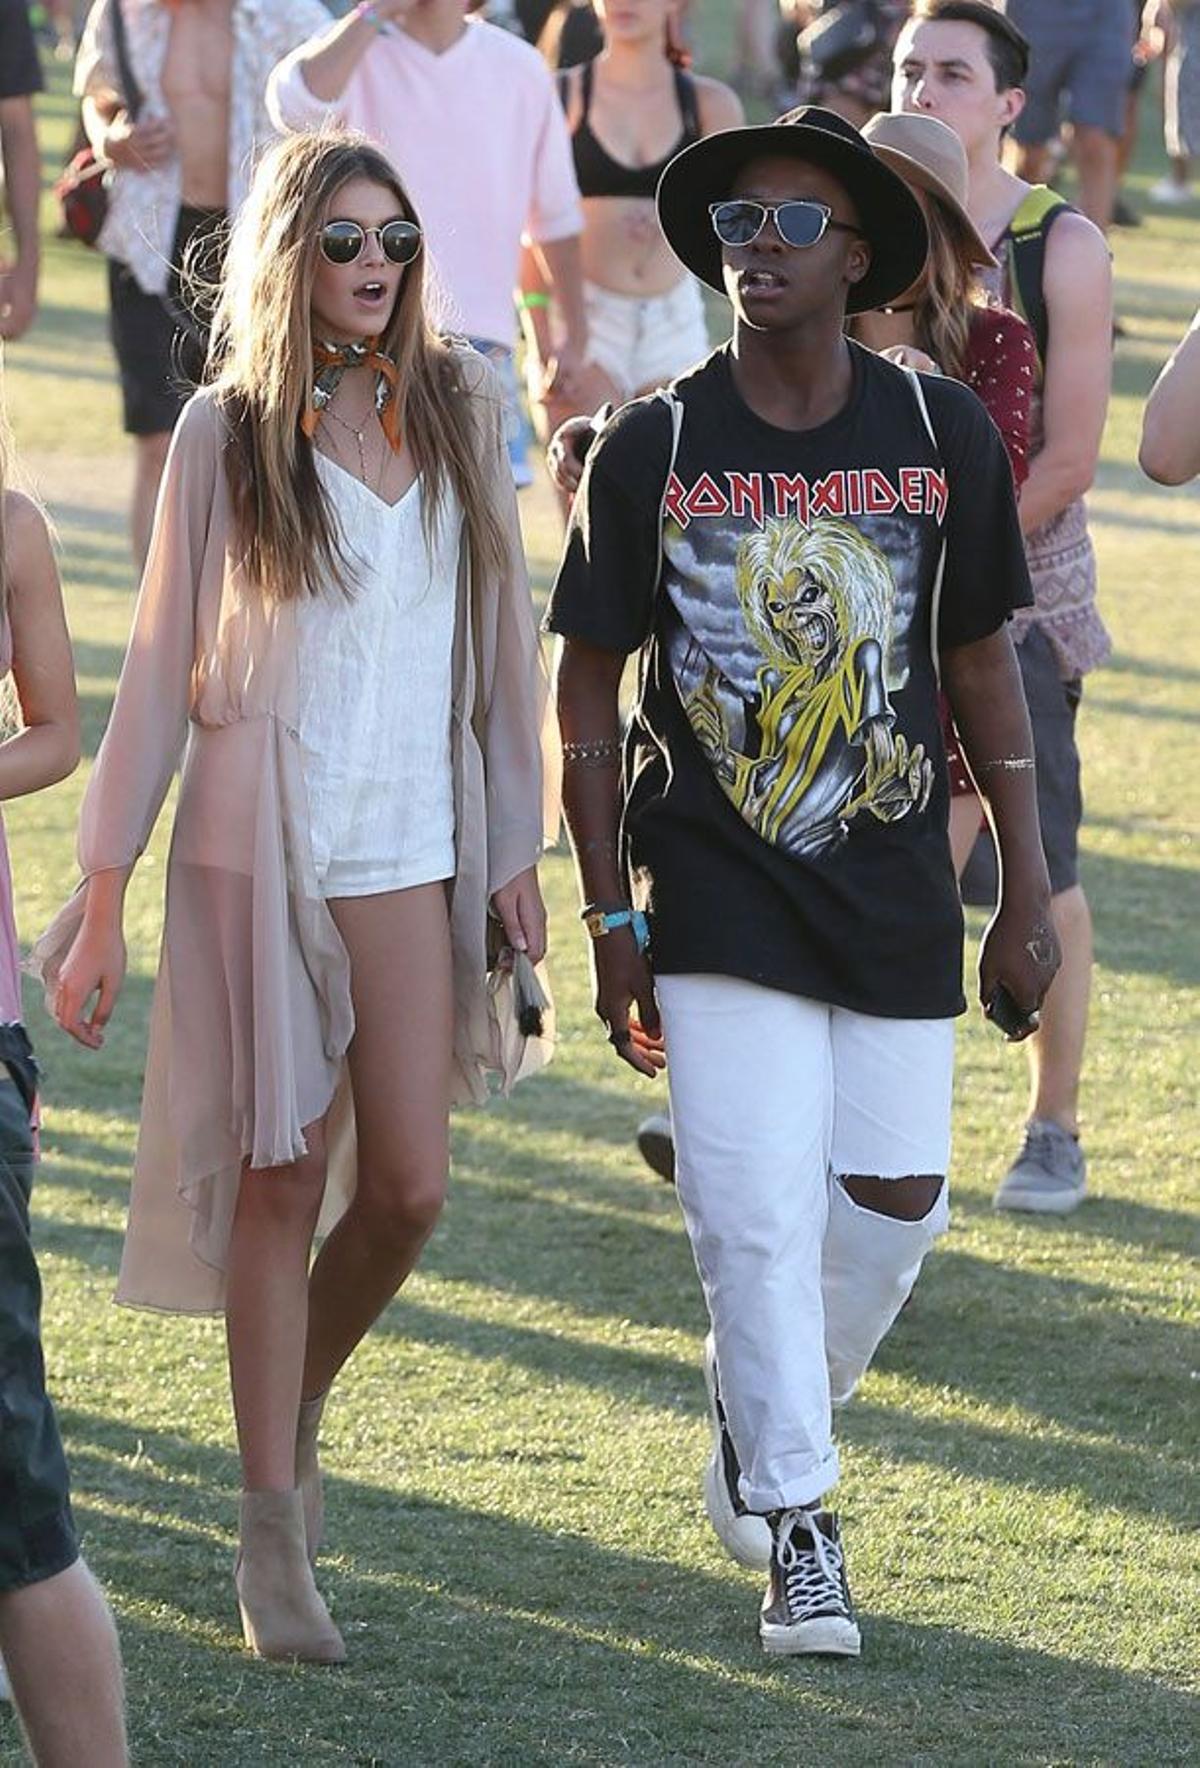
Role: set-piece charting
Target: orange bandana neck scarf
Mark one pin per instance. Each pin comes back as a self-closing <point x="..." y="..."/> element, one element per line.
<point x="330" y="362"/>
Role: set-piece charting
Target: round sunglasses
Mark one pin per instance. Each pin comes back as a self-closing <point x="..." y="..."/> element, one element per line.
<point x="344" y="241"/>
<point x="798" y="222"/>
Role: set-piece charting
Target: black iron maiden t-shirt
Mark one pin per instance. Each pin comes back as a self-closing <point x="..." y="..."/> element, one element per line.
<point x="786" y="791"/>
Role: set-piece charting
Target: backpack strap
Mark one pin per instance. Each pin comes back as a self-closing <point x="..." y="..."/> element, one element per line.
<point x="131" y="92"/>
<point x="1025" y="252"/>
<point x="674" y="405"/>
<point x="935" y="604"/>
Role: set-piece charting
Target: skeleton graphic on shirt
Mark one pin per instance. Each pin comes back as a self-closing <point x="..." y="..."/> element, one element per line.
<point x="817" y="604"/>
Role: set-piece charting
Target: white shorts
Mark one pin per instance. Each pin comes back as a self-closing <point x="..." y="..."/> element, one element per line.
<point x="642" y="344"/>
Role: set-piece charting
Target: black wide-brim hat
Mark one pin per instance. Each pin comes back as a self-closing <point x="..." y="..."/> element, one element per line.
<point x="888" y="213"/>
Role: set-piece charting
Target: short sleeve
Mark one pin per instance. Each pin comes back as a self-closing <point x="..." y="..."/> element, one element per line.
<point x="986" y="577"/>
<point x="20" y="68"/>
<point x="1002" y="367"/>
<point x="605" y="589"/>
<point x="554" y="210"/>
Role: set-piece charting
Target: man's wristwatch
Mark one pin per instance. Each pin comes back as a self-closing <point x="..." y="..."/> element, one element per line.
<point x="600" y="922"/>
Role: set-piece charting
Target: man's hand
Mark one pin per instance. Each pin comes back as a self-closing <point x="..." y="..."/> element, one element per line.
<point x="622" y="981"/>
<point x="563" y="459"/>
<point x="138" y="147"/>
<point x="1020" y="949"/>
<point x="18" y="298"/>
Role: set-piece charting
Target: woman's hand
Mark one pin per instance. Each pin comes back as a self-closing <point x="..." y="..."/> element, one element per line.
<point x="94" y="967"/>
<point x="623" y="981"/>
<point x="523" y="914"/>
<point x="908" y="356"/>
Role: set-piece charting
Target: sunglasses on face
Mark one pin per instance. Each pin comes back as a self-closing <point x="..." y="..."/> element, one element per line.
<point x="798" y="223"/>
<point x="344" y="241"/>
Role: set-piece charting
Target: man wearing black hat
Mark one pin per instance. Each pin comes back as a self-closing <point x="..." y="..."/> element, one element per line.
<point x="796" y="539"/>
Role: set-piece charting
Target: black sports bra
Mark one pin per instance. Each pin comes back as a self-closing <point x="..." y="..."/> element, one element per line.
<point x="595" y="168"/>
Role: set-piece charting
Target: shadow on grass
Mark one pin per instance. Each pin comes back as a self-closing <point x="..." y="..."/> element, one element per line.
<point x="1145" y="917"/>
<point x="1115" y="1219"/>
<point x="1151" y="668"/>
<point x="476" y="1638"/>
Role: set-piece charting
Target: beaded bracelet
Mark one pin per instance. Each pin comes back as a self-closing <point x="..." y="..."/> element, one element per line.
<point x="366" y="11"/>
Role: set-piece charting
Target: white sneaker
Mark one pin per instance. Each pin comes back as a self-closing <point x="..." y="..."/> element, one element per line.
<point x="744" y="1536"/>
<point x="5" y="1690"/>
<point x="1168" y="192"/>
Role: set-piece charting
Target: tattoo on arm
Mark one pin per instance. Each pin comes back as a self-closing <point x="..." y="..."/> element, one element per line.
<point x="1007" y="764"/>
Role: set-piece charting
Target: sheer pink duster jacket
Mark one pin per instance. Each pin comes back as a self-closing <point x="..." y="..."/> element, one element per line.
<point x="252" y="1011"/>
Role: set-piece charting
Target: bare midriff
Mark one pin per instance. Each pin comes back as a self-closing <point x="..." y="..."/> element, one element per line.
<point x="623" y="247"/>
<point x="196" y="86"/>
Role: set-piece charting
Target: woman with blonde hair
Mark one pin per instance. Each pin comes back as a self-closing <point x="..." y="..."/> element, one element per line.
<point x="335" y="613"/>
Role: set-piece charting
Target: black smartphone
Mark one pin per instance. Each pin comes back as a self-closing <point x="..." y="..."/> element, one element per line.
<point x="1007" y="1016"/>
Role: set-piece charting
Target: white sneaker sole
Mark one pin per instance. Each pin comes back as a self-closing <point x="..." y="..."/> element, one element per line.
<point x="1038" y="1202"/>
<point x="827" y="1636"/>
<point x="745" y="1538"/>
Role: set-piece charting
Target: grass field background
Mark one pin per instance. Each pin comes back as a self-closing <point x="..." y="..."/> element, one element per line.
<point x="518" y="1554"/>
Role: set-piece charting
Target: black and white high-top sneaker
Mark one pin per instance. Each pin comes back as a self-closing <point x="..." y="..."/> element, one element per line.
<point x="807" y="1607"/>
<point x="744" y="1536"/>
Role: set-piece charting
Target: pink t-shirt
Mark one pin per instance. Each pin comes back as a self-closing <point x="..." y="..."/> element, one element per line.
<point x="478" y="137"/>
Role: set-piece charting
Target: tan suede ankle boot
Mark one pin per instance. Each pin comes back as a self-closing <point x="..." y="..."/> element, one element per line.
<point x="308" y="1473"/>
<point x="283" y="1614"/>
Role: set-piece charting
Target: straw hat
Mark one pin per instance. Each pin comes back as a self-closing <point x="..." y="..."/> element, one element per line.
<point x="930" y="157"/>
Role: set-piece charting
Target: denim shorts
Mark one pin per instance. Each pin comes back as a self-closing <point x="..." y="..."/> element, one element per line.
<point x="37" y="1532"/>
<point x="1080" y="65"/>
<point x="1053" y="704"/>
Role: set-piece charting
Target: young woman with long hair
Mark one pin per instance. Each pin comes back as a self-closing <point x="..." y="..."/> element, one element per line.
<point x="945" y="325"/>
<point x="59" y="1643"/>
<point x="629" y="111"/>
<point x="335" y="612"/>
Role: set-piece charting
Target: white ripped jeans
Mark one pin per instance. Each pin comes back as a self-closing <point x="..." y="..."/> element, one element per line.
<point x="774" y="1097"/>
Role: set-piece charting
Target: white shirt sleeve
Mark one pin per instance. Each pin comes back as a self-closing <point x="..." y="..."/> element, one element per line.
<point x="554" y="210"/>
<point x="290" y="105"/>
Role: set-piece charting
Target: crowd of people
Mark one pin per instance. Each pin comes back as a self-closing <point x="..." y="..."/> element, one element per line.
<point x="848" y="546"/>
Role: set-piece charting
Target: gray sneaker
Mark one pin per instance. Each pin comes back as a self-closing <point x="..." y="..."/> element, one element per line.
<point x="1049" y="1175"/>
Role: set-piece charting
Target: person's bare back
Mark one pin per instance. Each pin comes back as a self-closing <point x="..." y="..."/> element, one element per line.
<point x="196" y="85"/>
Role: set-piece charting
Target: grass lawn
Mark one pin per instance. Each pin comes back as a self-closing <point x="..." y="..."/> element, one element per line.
<point x="518" y="1553"/>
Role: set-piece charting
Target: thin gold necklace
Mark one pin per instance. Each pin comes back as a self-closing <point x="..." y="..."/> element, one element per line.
<point x="360" y="436"/>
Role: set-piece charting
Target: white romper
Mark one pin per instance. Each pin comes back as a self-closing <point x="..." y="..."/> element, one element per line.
<point x="375" y="667"/>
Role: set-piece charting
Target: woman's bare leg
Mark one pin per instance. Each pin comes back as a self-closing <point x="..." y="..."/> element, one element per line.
<point x="266" y="1310"/>
<point x="400" y="1062"/>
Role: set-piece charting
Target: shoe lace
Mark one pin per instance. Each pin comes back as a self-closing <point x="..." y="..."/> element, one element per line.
<point x="812" y="1574"/>
<point x="1039" y="1142"/>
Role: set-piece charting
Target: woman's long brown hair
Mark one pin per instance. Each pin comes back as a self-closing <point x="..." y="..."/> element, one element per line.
<point x="261" y="365"/>
<point x="951" y="292"/>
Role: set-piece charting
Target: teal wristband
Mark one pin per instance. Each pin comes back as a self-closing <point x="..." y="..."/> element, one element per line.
<point x="600" y="922"/>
